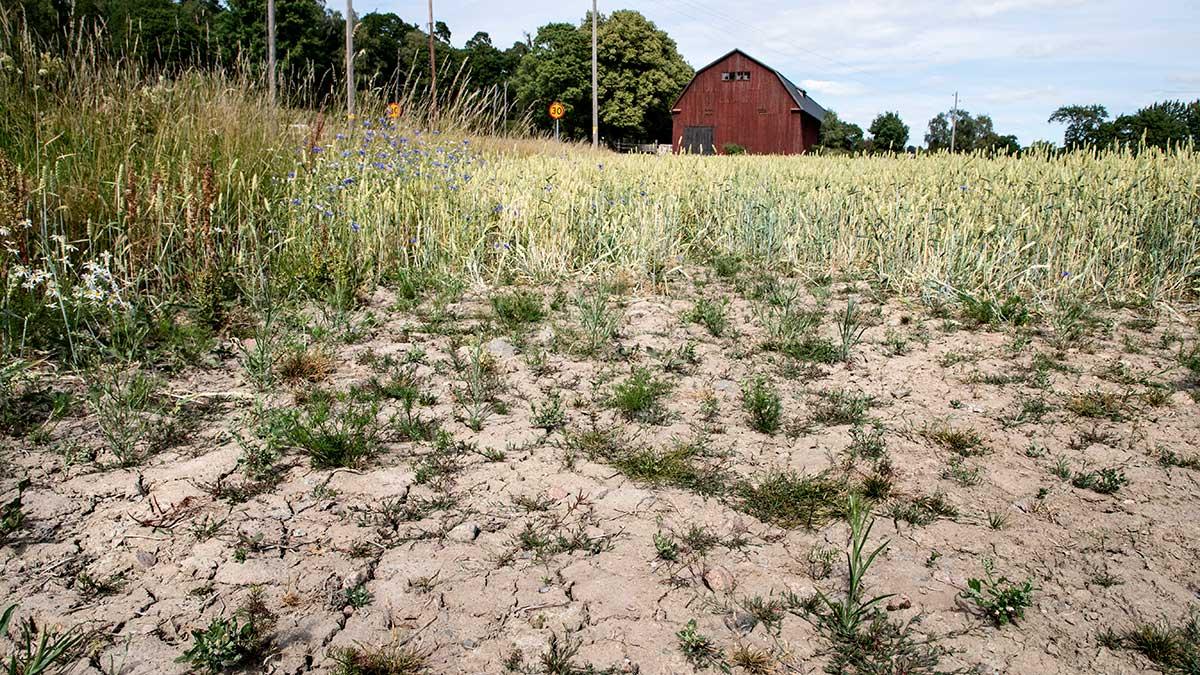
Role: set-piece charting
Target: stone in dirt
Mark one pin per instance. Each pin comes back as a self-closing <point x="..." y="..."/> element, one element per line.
<point x="898" y="603"/>
<point x="501" y="348"/>
<point x="718" y="579"/>
<point x="464" y="532"/>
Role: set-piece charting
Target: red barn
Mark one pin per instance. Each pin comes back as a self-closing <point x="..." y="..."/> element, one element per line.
<point x="740" y="100"/>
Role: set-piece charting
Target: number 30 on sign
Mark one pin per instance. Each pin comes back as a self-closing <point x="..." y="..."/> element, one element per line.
<point x="557" y="110"/>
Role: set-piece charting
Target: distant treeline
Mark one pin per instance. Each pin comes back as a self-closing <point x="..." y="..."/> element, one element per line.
<point x="1159" y="125"/>
<point x="641" y="69"/>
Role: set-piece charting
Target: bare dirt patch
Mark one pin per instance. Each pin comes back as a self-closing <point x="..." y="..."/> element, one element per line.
<point x="645" y="481"/>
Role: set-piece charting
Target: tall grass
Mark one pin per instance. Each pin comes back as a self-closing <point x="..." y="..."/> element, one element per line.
<point x="128" y="196"/>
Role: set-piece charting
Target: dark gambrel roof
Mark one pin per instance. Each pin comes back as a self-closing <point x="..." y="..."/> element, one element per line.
<point x="801" y="97"/>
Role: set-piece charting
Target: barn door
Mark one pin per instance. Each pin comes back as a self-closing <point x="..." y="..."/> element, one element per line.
<point x="698" y="140"/>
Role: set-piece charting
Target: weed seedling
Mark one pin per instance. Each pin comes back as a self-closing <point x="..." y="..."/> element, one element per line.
<point x="12" y="515"/>
<point x="838" y="406"/>
<point x="711" y="314"/>
<point x="763" y="405"/>
<point x="336" y="430"/>
<point x="235" y="641"/>
<point x="387" y="660"/>
<point x="38" y="649"/>
<point x="1174" y="649"/>
<point x="700" y="650"/>
<point x="639" y="397"/>
<point x="999" y="599"/>
<point x="850" y="330"/>
<point x="550" y="414"/>
<point x="1104" y="481"/>
<point x="963" y="442"/>
<point x="788" y="499"/>
<point x="519" y="308"/>
<point x="666" y="547"/>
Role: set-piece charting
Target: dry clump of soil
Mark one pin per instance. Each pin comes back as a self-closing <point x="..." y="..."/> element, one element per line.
<point x="545" y="480"/>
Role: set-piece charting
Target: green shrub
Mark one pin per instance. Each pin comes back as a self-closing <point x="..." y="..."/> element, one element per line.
<point x="763" y="405"/>
<point x="639" y="397"/>
<point x="519" y="308"/>
<point x="788" y="499"/>
<point x="336" y="430"/>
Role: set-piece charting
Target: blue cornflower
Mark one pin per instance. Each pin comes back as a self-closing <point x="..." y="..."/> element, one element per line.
<point x="355" y="227"/>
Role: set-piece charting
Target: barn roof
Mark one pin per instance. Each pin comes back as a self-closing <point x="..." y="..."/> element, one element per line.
<point x="801" y="97"/>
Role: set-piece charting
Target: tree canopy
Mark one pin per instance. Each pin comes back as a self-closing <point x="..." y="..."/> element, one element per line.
<point x="641" y="73"/>
<point x="972" y="133"/>
<point x="838" y="135"/>
<point x="889" y="132"/>
<point x="1158" y="125"/>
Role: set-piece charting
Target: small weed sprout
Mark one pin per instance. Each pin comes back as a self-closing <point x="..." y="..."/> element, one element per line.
<point x="598" y="322"/>
<point x="763" y="405"/>
<point x="1002" y="601"/>
<point x="336" y="430"/>
<point x="550" y="415"/>
<point x="519" y="308"/>
<point x="666" y="547"/>
<point x="639" y="397"/>
<point x="700" y="650"/>
<point x="39" y="649"/>
<point x="235" y="641"/>
<point x="711" y="314"/>
<point x="850" y="330"/>
<point x="12" y="514"/>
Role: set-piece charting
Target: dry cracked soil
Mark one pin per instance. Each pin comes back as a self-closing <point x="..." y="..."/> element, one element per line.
<point x="581" y="480"/>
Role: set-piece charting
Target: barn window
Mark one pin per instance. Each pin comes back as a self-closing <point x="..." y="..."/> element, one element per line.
<point x="737" y="75"/>
<point x="725" y="77"/>
<point x="743" y="75"/>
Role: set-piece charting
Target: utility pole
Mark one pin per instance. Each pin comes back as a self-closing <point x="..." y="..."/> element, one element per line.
<point x="350" y="58"/>
<point x="953" y="122"/>
<point x="595" y="85"/>
<point x="271" y="49"/>
<point x="432" y="69"/>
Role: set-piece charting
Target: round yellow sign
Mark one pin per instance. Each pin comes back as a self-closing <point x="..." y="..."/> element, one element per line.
<point x="557" y="110"/>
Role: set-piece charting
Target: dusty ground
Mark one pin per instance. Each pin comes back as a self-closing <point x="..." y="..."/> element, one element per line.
<point x="501" y="551"/>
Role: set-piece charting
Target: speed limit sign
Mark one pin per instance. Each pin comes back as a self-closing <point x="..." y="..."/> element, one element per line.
<point x="557" y="110"/>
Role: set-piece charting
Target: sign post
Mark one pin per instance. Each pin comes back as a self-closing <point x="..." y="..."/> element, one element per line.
<point x="557" y="110"/>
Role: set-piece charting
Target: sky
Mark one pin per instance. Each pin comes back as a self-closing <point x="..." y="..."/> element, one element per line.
<point x="1016" y="60"/>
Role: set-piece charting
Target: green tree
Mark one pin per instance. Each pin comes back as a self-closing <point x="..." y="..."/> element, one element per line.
<point x="488" y="65"/>
<point x="889" y="132"/>
<point x="308" y="41"/>
<point x="838" y="135"/>
<point x="1086" y="125"/>
<point x="641" y="74"/>
<point x="557" y="68"/>
<point x="972" y="133"/>
<point x="379" y="40"/>
<point x="1159" y="125"/>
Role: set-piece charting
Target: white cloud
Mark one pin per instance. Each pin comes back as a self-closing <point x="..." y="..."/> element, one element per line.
<point x="832" y="87"/>
<point x="1006" y="95"/>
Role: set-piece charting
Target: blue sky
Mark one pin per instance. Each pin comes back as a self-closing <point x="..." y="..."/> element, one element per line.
<point x="1016" y="60"/>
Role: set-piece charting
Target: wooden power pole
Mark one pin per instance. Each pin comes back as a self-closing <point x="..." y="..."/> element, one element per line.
<point x="954" y="122"/>
<point x="595" y="85"/>
<point x="433" y="99"/>
<point x="350" y="58"/>
<point x="271" y="50"/>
